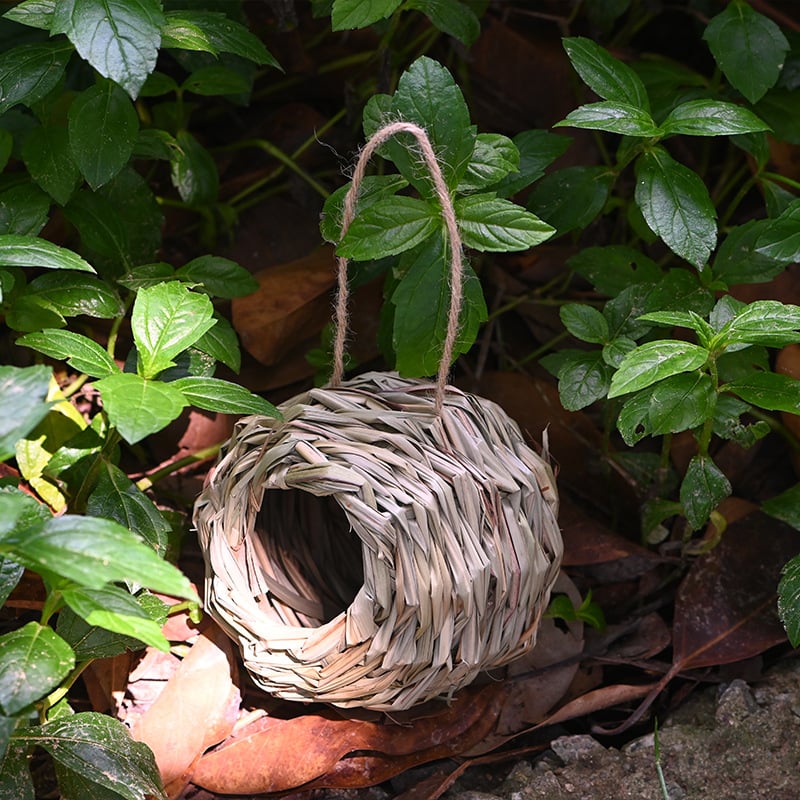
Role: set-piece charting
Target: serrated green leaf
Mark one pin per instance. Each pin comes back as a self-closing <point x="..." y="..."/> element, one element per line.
<point x="89" y="641"/>
<point x="780" y="238"/>
<point x="789" y="600"/>
<point x="682" y="319"/>
<point x="166" y="319"/>
<point x="47" y="155"/>
<point x="213" y="394"/>
<point x="654" y="361"/>
<point x="183" y="33"/>
<point x="221" y="343"/>
<point x="219" y="276"/>
<point x="615" y="351"/>
<point x="612" y="116"/>
<point x="679" y="403"/>
<point x="23" y="395"/>
<point x="427" y="95"/>
<point x="728" y="425"/>
<point x="675" y="203"/>
<point x="350" y="14"/>
<point x="494" y="157"/>
<point x="680" y="289"/>
<point x="192" y="363"/>
<point x="572" y="197"/>
<point x="766" y="322"/>
<point x="215" y="79"/>
<point x="34" y="13"/>
<point x="605" y="75"/>
<point x="10" y="574"/>
<point x="785" y="507"/>
<point x="31" y="251"/>
<point x="388" y="227"/>
<point x="749" y="48"/>
<point x="583" y="377"/>
<point x="193" y="171"/>
<point x="24" y="210"/>
<point x="493" y="224"/>
<point x="703" y="488"/>
<point x="154" y="143"/>
<point x="612" y="268"/>
<point x="711" y="118"/>
<point x="103" y="128"/>
<point x="451" y="17"/>
<point x="421" y="303"/>
<point x="101" y="750"/>
<point x="738" y="259"/>
<point x="33" y="661"/>
<point x="29" y="72"/>
<point x="147" y="275"/>
<point x="119" y="38"/>
<point x="768" y="390"/>
<point x="156" y="85"/>
<point x="137" y="407"/>
<point x="102" y="230"/>
<point x="93" y="552"/>
<point x="633" y="420"/>
<point x="15" y="773"/>
<point x="537" y="150"/>
<point x="115" y="609"/>
<point x="372" y="189"/>
<point x="77" y="294"/>
<point x="80" y="352"/>
<point x="74" y="786"/>
<point x="584" y="322"/>
<point x="117" y="497"/>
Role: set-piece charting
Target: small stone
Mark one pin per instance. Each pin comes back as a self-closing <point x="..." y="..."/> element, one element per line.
<point x="571" y="749"/>
<point x="647" y="742"/>
<point x="736" y="703"/>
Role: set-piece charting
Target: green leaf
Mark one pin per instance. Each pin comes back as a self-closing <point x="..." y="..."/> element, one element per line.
<point x="47" y="155"/>
<point x="728" y="425"/>
<point x="605" y="75"/>
<point x="215" y="33"/>
<point x="537" y="150"/>
<point x="103" y="128"/>
<point x="30" y="72"/>
<point x="15" y="773"/>
<point x="766" y="322"/>
<point x="117" y="497"/>
<point x="738" y="259"/>
<point x="703" y="488"/>
<point x="221" y="343"/>
<point x="80" y="352"/>
<point x="30" y="251"/>
<point x="166" y="319"/>
<point x="215" y="79"/>
<point x="156" y="85"/>
<point x="612" y="116"/>
<point x="680" y="289"/>
<point x="780" y="238"/>
<point x="93" y="552"/>
<point x="583" y="377"/>
<point x="675" y="203"/>
<point x="711" y="118"/>
<point x="213" y="394"/>
<point x="23" y="395"/>
<point x="421" y="304"/>
<point x="6" y="147"/>
<point x="785" y="507"/>
<point x="683" y="319"/>
<point x="584" y="322"/>
<point x="452" y="17"/>
<point x="33" y="661"/>
<point x="572" y="197"/>
<point x="101" y="750"/>
<point x="77" y="294"/>
<point x="633" y="422"/>
<point x="615" y="351"/>
<point x="101" y="228"/>
<point x="10" y="574"/>
<point x="679" y="403"/>
<point x="749" y="48"/>
<point x="493" y="224"/>
<point x="350" y="14"/>
<point x="654" y="361"/>
<point x="119" y="38"/>
<point x="192" y="363"/>
<point x="147" y="275"/>
<point x="388" y="227"/>
<point x="24" y="210"/>
<point x="34" y="13"/>
<point x="768" y="390"/>
<point x="194" y="172"/>
<point x="115" y="609"/>
<point x="789" y="600"/>
<point x="494" y="157"/>
<point x="427" y="95"/>
<point x="612" y="268"/>
<point x="219" y="276"/>
<point x="137" y="407"/>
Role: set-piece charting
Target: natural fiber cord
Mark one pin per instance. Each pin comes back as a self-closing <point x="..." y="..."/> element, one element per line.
<point x="389" y="538"/>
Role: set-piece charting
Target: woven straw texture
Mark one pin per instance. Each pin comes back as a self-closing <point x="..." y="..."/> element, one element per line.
<point x="367" y="552"/>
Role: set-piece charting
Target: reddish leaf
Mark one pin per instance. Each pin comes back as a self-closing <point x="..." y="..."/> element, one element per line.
<point x="725" y="609"/>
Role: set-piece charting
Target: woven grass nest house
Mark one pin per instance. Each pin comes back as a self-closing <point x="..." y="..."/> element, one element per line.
<point x="370" y="550"/>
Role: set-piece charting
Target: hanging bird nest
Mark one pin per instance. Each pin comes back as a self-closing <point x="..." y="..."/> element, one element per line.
<point x="367" y="551"/>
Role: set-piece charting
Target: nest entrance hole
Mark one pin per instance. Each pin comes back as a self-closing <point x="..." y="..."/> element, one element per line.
<point x="310" y="559"/>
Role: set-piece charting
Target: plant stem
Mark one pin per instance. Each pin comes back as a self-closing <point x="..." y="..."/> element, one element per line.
<point x="59" y="694"/>
<point x="193" y="458"/>
<point x="75" y="385"/>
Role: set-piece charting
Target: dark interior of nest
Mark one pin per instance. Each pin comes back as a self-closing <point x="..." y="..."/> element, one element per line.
<point x="309" y="559"/>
